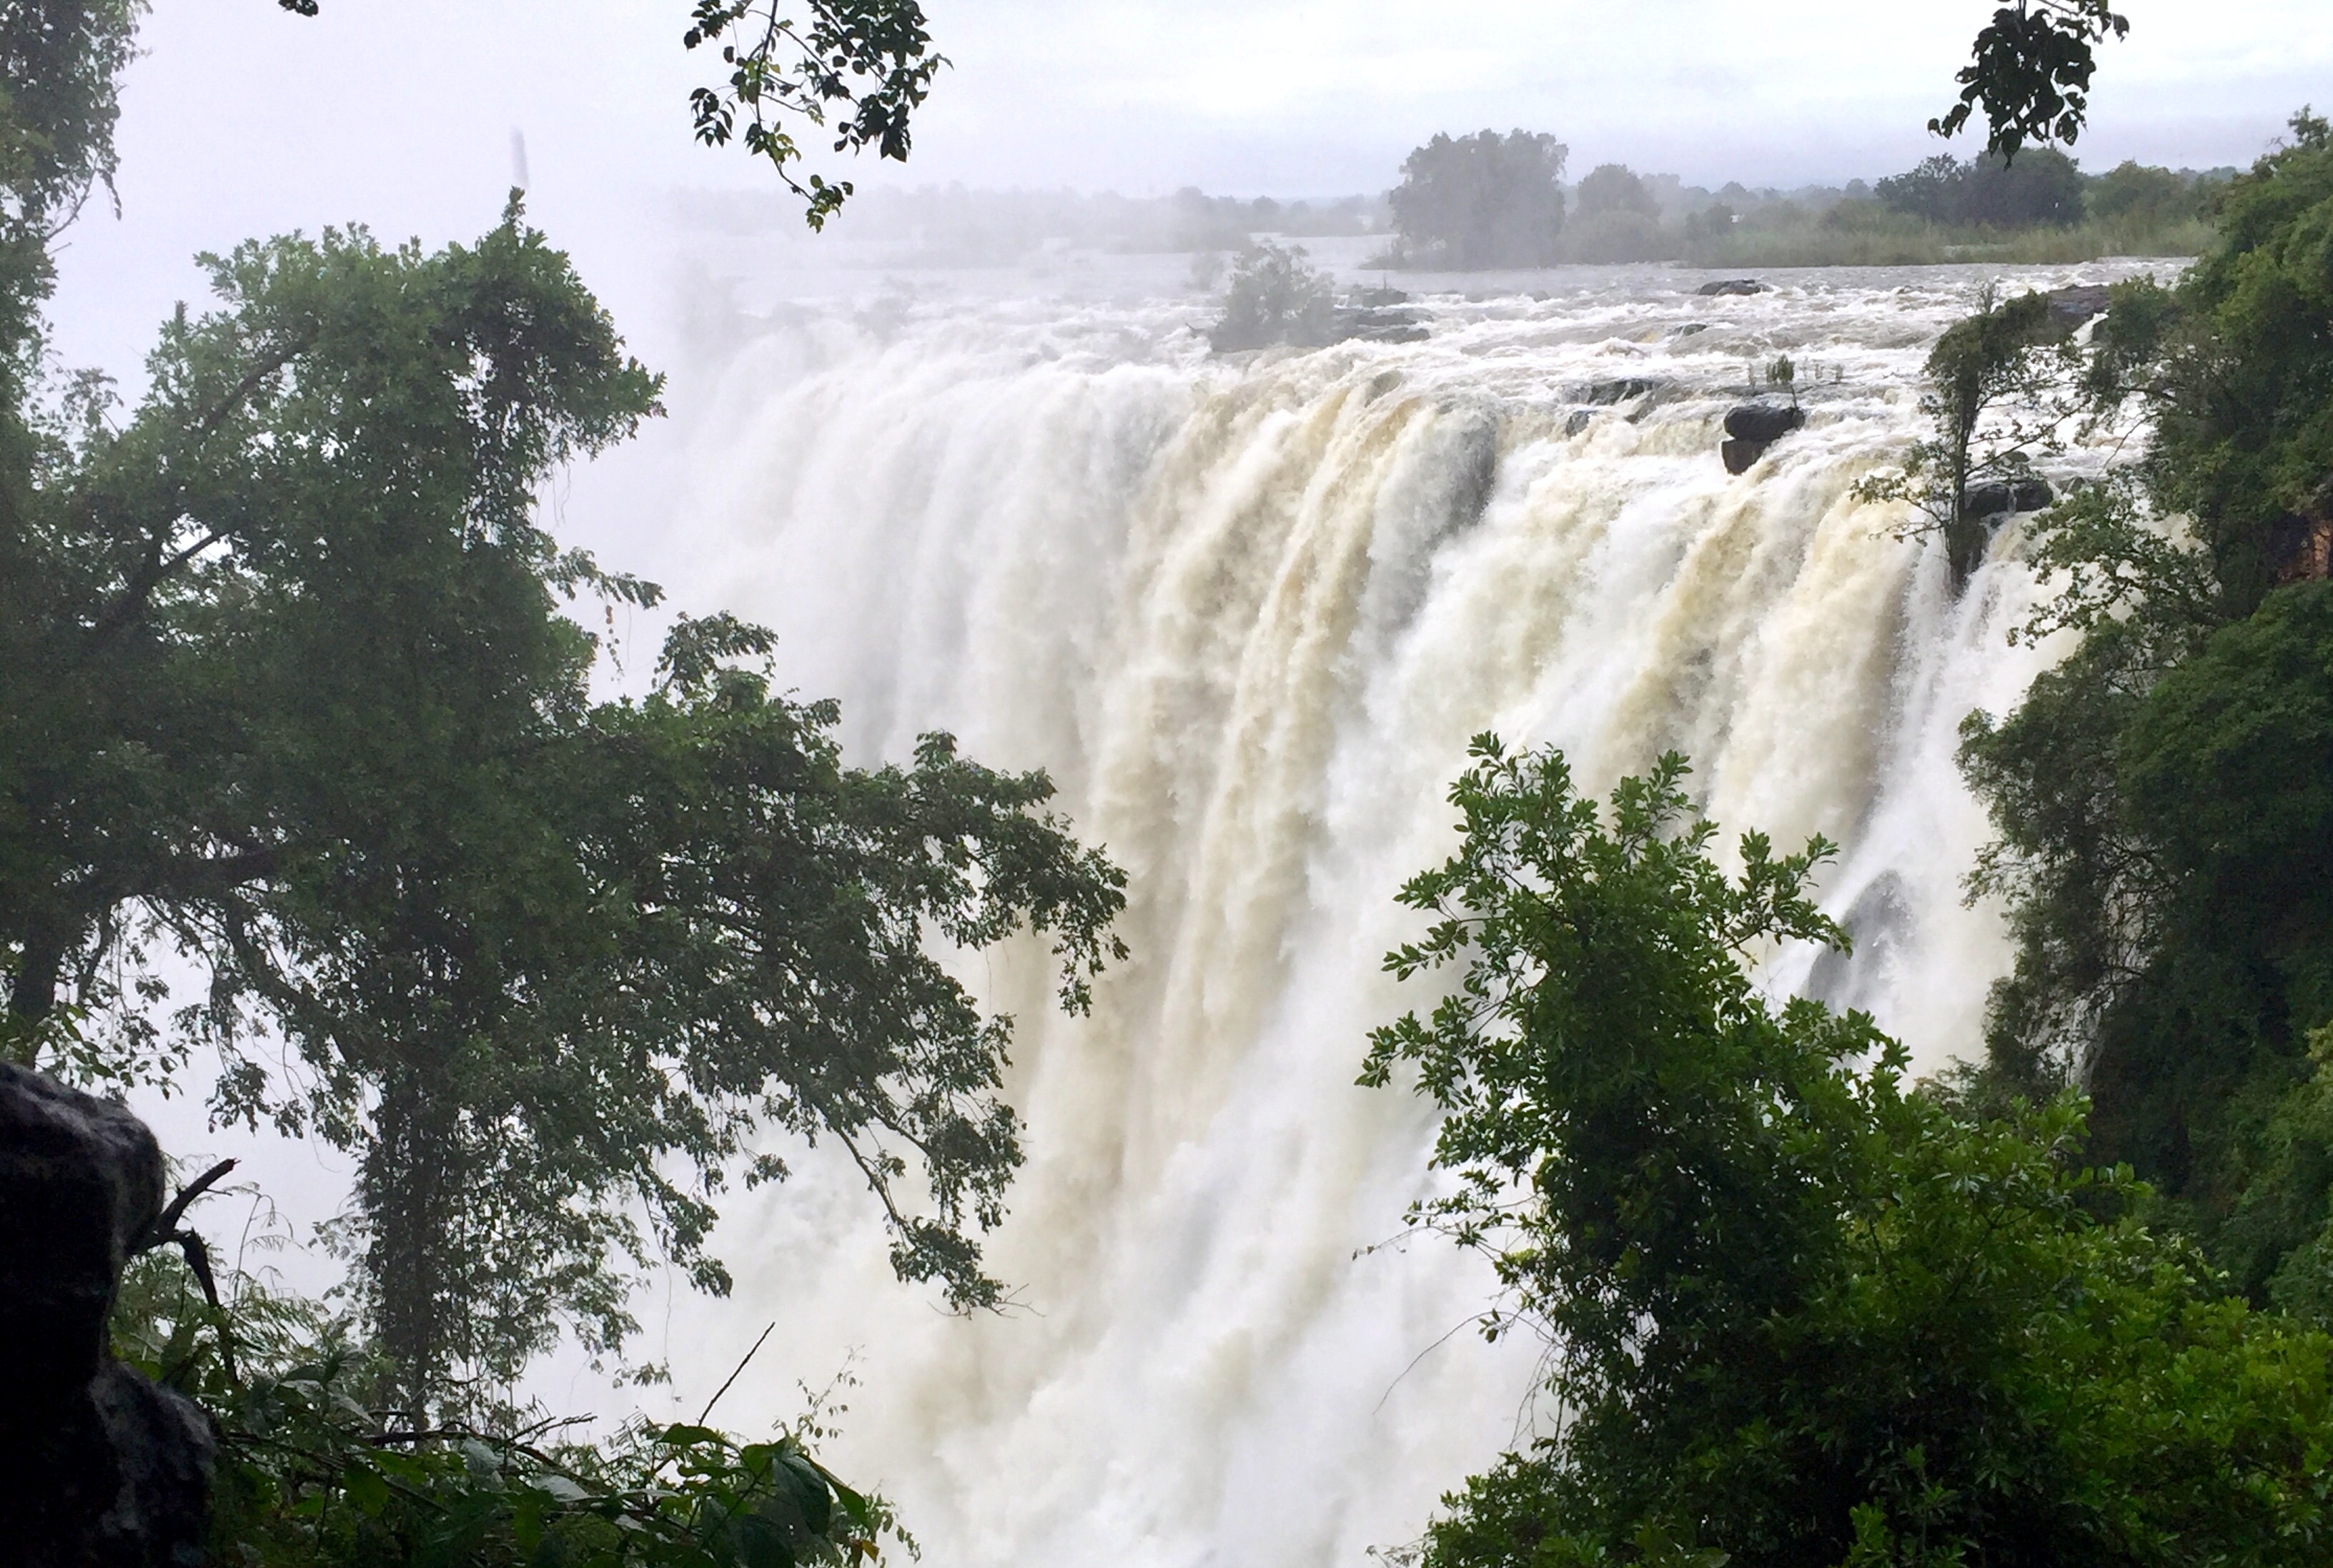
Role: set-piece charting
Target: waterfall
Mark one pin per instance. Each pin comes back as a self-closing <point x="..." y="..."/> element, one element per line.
<point x="1249" y="614"/>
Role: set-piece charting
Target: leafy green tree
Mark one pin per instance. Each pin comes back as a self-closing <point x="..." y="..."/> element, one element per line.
<point x="2001" y="392"/>
<point x="286" y="683"/>
<point x="1481" y="201"/>
<point x="1799" y="1312"/>
<point x="2030" y="72"/>
<point x="1275" y="296"/>
<point x="310" y="1476"/>
<point x="2043" y="189"/>
<point x="2135" y="192"/>
<point x="1614" y="187"/>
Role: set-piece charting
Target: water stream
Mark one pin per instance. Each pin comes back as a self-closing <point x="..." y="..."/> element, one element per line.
<point x="1248" y="613"/>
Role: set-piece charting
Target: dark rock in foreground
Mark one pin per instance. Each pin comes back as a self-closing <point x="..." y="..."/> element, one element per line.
<point x="1732" y="286"/>
<point x="1753" y="427"/>
<point x="99" y="1466"/>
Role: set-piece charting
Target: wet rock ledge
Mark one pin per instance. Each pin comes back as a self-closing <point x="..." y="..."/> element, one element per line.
<point x="1752" y="427"/>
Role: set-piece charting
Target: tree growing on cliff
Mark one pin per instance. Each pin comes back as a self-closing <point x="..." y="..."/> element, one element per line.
<point x="1481" y="201"/>
<point x="2002" y="392"/>
<point x="2162" y="794"/>
<point x="1799" y="1311"/>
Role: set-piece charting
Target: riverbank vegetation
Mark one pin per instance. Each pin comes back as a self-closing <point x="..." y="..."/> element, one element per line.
<point x="2040" y="208"/>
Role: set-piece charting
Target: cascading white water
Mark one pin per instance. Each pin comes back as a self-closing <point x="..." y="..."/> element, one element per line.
<point x="1248" y="615"/>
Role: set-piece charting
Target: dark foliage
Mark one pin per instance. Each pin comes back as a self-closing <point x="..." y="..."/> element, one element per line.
<point x="2162" y="797"/>
<point x="1481" y="201"/>
<point x="2030" y="72"/>
<point x="2043" y="189"/>
<point x="1799" y="1313"/>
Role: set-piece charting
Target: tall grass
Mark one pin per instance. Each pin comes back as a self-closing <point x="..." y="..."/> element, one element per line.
<point x="1912" y="243"/>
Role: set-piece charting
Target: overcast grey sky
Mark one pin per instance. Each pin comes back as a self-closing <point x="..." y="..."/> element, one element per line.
<point x="242" y="120"/>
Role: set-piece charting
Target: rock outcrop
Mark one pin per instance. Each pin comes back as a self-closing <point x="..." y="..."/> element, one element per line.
<point x="1999" y="497"/>
<point x="1753" y="427"/>
<point x="1381" y="323"/>
<point x="107" y="1470"/>
<point x="1732" y="286"/>
<point x="2299" y="544"/>
<point x="1620" y="390"/>
<point x="2071" y="306"/>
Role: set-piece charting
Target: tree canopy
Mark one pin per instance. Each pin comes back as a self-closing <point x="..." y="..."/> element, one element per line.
<point x="1797" y="1310"/>
<point x="289" y="685"/>
<point x="2030" y="72"/>
<point x="1481" y="201"/>
<point x="2162" y="794"/>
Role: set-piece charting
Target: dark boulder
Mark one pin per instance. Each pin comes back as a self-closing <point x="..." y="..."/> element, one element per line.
<point x="1690" y="328"/>
<point x="1378" y="298"/>
<point x="1764" y="422"/>
<point x="1752" y="427"/>
<point x="2069" y="308"/>
<point x="1732" y="286"/>
<point x="1618" y="390"/>
<point x="1381" y="325"/>
<point x="108" y="1470"/>
<point x="1993" y="498"/>
<point x="1999" y="497"/>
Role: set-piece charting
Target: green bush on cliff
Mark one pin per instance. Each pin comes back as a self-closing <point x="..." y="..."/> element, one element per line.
<point x="1801" y="1312"/>
<point x="2165" y="796"/>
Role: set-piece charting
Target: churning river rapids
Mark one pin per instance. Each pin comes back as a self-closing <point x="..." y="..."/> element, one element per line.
<point x="1248" y="612"/>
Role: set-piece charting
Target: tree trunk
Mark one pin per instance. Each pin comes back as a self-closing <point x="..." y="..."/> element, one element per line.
<point x="411" y="1185"/>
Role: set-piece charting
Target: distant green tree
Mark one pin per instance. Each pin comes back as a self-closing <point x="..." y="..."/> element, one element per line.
<point x="1481" y="201"/>
<point x="1275" y="296"/>
<point x="1614" y="187"/>
<point x="1929" y="189"/>
<point x="2043" y="189"/>
<point x="1797" y="1311"/>
<point x="2131" y="190"/>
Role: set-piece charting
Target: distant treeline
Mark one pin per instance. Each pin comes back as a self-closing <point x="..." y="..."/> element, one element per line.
<point x="1460" y="199"/>
<point x="1494" y="201"/>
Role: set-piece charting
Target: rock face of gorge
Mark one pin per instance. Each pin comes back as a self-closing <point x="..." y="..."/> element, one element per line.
<point x="99" y="1466"/>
